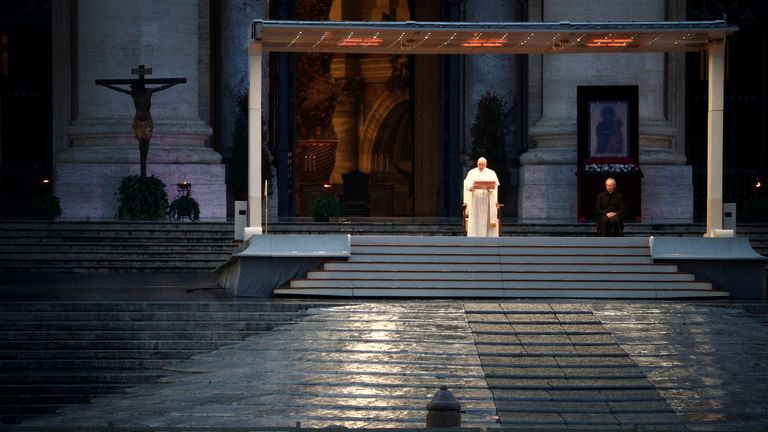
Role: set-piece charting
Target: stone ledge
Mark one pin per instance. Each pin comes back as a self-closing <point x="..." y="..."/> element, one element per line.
<point x="704" y="248"/>
<point x="260" y="266"/>
<point x="729" y="264"/>
<point x="297" y="246"/>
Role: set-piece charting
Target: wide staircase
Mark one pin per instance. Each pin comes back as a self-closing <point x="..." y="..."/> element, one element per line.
<point x="516" y="267"/>
<point x="55" y="354"/>
<point x="114" y="246"/>
<point x="117" y="246"/>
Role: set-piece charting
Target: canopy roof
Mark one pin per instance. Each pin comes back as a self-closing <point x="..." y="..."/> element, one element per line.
<point x="409" y="37"/>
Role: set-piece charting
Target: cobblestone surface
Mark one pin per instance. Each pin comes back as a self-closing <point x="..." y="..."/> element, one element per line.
<point x="611" y="364"/>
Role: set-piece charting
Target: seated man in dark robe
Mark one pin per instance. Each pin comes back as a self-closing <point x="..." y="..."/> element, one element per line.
<point x="609" y="211"/>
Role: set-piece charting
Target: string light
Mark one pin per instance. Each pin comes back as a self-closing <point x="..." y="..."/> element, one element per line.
<point x="611" y="41"/>
<point x="477" y="42"/>
<point x="294" y="40"/>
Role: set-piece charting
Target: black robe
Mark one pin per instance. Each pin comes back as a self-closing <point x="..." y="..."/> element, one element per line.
<point x="606" y="203"/>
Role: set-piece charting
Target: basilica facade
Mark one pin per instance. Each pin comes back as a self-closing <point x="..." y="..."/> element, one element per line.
<point x="406" y="125"/>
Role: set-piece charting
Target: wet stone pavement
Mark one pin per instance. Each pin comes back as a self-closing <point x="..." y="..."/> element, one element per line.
<point x="593" y="365"/>
<point x="709" y="363"/>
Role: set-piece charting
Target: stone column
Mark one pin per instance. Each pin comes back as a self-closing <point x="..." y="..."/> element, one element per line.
<point x="548" y="181"/>
<point x="112" y="38"/>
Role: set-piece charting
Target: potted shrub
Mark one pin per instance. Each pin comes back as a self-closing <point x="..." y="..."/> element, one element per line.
<point x="754" y="208"/>
<point x="45" y="207"/>
<point x="142" y="198"/>
<point x="325" y="208"/>
<point x="488" y="132"/>
<point x="182" y="207"/>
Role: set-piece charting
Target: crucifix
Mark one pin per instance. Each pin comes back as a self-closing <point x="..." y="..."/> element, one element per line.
<point x="142" y="101"/>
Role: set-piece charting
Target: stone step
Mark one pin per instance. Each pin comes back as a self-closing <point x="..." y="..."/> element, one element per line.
<point x="116" y="226"/>
<point x="127" y="232"/>
<point x="86" y="235"/>
<point x="480" y="267"/>
<point x="511" y="241"/>
<point x="87" y="344"/>
<point x="35" y="237"/>
<point x="41" y="379"/>
<point x="358" y="225"/>
<point x="86" y="326"/>
<point x="91" y="364"/>
<point x="84" y="266"/>
<point x="395" y="273"/>
<point x="120" y="318"/>
<point x="452" y="227"/>
<point x="127" y="336"/>
<point x="629" y="293"/>
<point x="127" y="242"/>
<point x="92" y="247"/>
<point x="18" y="413"/>
<point x="113" y="255"/>
<point x="498" y="250"/>
<point x="90" y="389"/>
<point x="370" y="228"/>
<point x="57" y="400"/>
<point x="419" y="266"/>
<point x="504" y="259"/>
<point x="56" y="354"/>
<point x="472" y="284"/>
<point x="287" y="308"/>
<point x="95" y="356"/>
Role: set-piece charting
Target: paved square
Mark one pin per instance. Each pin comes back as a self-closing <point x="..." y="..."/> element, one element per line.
<point x="608" y="364"/>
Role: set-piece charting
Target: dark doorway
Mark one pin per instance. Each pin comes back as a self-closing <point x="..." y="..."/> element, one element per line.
<point x="25" y="104"/>
<point x="745" y="136"/>
<point x="392" y="160"/>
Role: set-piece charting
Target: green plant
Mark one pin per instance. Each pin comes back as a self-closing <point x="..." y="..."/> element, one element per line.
<point x="45" y="207"/>
<point x="325" y="208"/>
<point x="488" y="132"/>
<point x="184" y="207"/>
<point x="142" y="198"/>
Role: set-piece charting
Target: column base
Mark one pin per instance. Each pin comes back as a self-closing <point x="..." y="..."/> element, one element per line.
<point x="88" y="191"/>
<point x="547" y="194"/>
<point x="667" y="193"/>
<point x="129" y="154"/>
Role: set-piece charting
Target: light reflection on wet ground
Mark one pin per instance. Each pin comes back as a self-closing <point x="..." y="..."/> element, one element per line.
<point x="673" y="366"/>
<point x="709" y="362"/>
<point x="373" y="365"/>
<point x="555" y="366"/>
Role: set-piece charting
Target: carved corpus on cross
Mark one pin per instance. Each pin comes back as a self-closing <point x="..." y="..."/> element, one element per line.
<point x="142" y="101"/>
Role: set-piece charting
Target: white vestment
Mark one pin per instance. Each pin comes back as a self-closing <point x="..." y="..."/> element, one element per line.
<point x="483" y="220"/>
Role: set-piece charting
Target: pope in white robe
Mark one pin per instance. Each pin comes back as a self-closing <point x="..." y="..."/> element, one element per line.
<point x="482" y="212"/>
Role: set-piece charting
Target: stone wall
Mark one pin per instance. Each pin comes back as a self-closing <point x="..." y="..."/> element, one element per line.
<point x="553" y="80"/>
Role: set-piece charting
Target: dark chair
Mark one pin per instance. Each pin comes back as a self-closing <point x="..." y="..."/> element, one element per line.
<point x="356" y="198"/>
